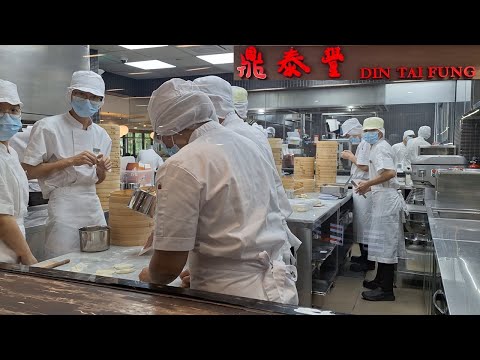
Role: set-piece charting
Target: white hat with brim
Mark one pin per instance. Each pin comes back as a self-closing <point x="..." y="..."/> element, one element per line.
<point x="9" y="93"/>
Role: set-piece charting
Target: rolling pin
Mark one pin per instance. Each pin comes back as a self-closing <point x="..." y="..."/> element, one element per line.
<point x="56" y="264"/>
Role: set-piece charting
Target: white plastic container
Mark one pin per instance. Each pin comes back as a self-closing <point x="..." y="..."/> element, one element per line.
<point x="141" y="177"/>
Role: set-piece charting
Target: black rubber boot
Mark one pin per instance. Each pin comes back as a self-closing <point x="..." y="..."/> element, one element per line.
<point x="378" y="295"/>
<point x="377" y="282"/>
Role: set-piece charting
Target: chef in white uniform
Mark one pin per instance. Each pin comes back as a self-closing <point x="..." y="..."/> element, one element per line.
<point x="13" y="182"/>
<point x="220" y="93"/>
<point x="362" y="206"/>
<point x="60" y="154"/>
<point x="424" y="133"/>
<point x="240" y="101"/>
<point x="149" y="156"/>
<point x="400" y="150"/>
<point x="385" y="238"/>
<point x="213" y="205"/>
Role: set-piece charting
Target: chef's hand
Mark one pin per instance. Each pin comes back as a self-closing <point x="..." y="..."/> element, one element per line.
<point x="28" y="259"/>
<point x="145" y="275"/>
<point x="84" y="158"/>
<point x="185" y="276"/>
<point x="347" y="154"/>
<point x="362" y="187"/>
<point x="104" y="162"/>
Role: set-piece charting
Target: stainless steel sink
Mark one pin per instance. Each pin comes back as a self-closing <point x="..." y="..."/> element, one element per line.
<point x="466" y="214"/>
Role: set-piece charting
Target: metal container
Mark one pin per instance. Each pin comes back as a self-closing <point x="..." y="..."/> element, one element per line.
<point x="337" y="190"/>
<point x="143" y="202"/>
<point x="438" y="150"/>
<point x="94" y="238"/>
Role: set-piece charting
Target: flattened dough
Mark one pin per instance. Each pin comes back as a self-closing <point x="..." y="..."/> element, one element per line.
<point x="122" y="266"/>
<point x="105" y="272"/>
<point x="79" y="267"/>
<point x="125" y="271"/>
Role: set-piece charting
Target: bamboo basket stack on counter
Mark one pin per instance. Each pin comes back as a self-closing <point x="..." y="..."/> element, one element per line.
<point x="325" y="163"/>
<point x="304" y="174"/>
<point x="112" y="180"/>
<point x="127" y="227"/>
<point x="276" y="145"/>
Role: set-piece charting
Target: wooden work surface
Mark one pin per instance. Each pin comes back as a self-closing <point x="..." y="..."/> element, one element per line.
<point x="24" y="294"/>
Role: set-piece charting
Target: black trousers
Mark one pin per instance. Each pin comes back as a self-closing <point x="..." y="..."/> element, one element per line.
<point x="364" y="253"/>
<point x="385" y="276"/>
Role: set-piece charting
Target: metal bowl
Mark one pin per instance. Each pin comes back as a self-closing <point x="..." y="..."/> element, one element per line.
<point x="143" y="202"/>
<point x="94" y="238"/>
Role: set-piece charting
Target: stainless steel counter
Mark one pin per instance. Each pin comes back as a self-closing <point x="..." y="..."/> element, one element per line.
<point x="302" y="225"/>
<point x="457" y="246"/>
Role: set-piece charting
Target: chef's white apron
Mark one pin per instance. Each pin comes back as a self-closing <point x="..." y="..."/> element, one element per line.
<point x="386" y="239"/>
<point x="260" y="278"/>
<point x="362" y="215"/>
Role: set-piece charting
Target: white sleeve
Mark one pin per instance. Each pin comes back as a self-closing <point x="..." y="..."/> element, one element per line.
<point x="37" y="147"/>
<point x="177" y="211"/>
<point x="363" y="153"/>
<point x="6" y="198"/>
<point x="383" y="159"/>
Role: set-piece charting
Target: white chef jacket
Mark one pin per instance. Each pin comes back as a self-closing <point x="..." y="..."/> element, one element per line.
<point x="19" y="142"/>
<point x="382" y="158"/>
<point x="149" y="156"/>
<point x="363" y="158"/>
<point x="59" y="137"/>
<point x="413" y="149"/>
<point x="212" y="202"/>
<point x="13" y="195"/>
<point x="235" y="123"/>
<point x="400" y="151"/>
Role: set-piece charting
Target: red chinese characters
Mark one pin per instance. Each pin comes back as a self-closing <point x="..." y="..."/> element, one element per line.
<point x="288" y="65"/>
<point x="331" y="56"/>
<point x="251" y="62"/>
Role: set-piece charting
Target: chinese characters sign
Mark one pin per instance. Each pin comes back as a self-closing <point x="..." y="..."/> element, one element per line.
<point x="360" y="62"/>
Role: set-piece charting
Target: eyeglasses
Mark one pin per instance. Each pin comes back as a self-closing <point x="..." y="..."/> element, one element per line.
<point x="87" y="96"/>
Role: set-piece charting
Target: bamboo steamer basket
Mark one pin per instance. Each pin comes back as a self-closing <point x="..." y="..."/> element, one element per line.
<point x="303" y="167"/>
<point x="308" y="185"/>
<point x="127" y="227"/>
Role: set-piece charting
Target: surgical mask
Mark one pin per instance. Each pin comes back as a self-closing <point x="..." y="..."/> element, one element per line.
<point x="9" y="126"/>
<point x="354" y="140"/>
<point x="371" y="137"/>
<point x="162" y="149"/>
<point x="85" y="107"/>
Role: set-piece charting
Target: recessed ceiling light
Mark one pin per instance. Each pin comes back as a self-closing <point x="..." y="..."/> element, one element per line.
<point x="186" y="46"/>
<point x="202" y="68"/>
<point x="150" y="64"/>
<point x="410" y="92"/>
<point x="140" y="73"/>
<point x="350" y="107"/>
<point x="136" y="47"/>
<point x="226" y="58"/>
<point x="144" y="125"/>
<point x="115" y="89"/>
<point x="135" y="127"/>
<point x="316" y="101"/>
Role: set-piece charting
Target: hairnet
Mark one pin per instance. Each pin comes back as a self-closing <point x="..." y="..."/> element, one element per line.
<point x="220" y="93"/>
<point x="351" y="126"/>
<point x="408" y="133"/>
<point x="240" y="101"/>
<point x="425" y="132"/>
<point x="271" y="130"/>
<point x="87" y="81"/>
<point x="9" y="93"/>
<point x="178" y="104"/>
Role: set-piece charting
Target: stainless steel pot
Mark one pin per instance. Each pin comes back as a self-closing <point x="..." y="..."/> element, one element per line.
<point x="143" y="202"/>
<point x="94" y="238"/>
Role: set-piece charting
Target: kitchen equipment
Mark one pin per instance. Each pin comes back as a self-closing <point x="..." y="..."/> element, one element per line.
<point x="425" y="167"/>
<point x="438" y="150"/>
<point x="461" y="187"/>
<point x="94" y="238"/>
<point x="336" y="190"/>
<point x="143" y="201"/>
<point x="55" y="264"/>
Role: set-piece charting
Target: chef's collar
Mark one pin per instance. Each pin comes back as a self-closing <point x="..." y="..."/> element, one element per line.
<point x="75" y="123"/>
<point x="204" y="129"/>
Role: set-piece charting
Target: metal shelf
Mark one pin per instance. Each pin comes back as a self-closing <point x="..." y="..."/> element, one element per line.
<point x="322" y="252"/>
<point x="322" y="286"/>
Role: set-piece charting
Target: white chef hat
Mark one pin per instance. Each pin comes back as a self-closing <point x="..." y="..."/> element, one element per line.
<point x="220" y="93"/>
<point x="9" y="93"/>
<point x="374" y="123"/>
<point x="408" y="133"/>
<point x="351" y="126"/>
<point x="240" y="101"/>
<point x="178" y="104"/>
<point x="425" y="132"/>
<point x="87" y="81"/>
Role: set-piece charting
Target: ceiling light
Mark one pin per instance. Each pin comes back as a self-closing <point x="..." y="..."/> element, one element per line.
<point x="226" y="58"/>
<point x="140" y="73"/>
<point x="142" y="105"/>
<point x="115" y="89"/>
<point x="101" y="120"/>
<point x="150" y="64"/>
<point x="202" y="68"/>
<point x="144" y="125"/>
<point x="93" y="55"/>
<point x="186" y="46"/>
<point x="261" y="111"/>
<point x="136" y="47"/>
<point x="410" y="92"/>
<point x="135" y="127"/>
<point x="316" y="101"/>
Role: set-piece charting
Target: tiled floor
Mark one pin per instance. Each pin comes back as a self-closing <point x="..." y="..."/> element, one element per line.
<point x="345" y="297"/>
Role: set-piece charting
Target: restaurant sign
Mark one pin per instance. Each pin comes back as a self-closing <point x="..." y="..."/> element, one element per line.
<point x="376" y="62"/>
